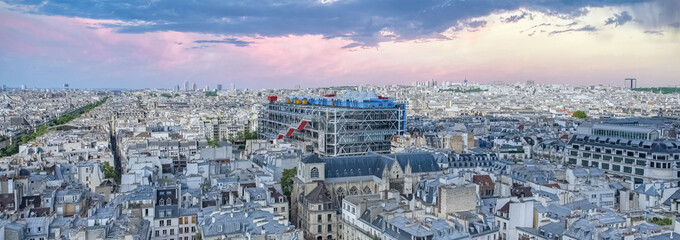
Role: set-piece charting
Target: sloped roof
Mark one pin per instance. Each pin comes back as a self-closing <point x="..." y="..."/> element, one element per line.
<point x="419" y="162"/>
<point x="482" y="180"/>
<point x="352" y="166"/>
<point x="313" y="158"/>
<point x="319" y="194"/>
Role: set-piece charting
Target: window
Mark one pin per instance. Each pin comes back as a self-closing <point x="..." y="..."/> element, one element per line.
<point x="639" y="171"/>
<point x="318" y="218"/>
<point x="315" y="172"/>
<point x="329" y="217"/>
<point x="169" y="222"/>
<point x="330" y="228"/>
<point x="180" y="221"/>
<point x="193" y="220"/>
<point x="172" y="231"/>
<point x="318" y="228"/>
<point x="161" y="223"/>
<point x="157" y="233"/>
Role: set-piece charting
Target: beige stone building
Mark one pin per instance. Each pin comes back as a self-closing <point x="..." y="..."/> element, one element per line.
<point x="321" y="184"/>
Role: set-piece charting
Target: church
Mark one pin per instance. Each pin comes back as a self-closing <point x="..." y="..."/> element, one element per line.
<point x="321" y="183"/>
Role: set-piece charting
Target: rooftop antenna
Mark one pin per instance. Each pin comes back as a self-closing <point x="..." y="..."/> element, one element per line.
<point x="633" y="82"/>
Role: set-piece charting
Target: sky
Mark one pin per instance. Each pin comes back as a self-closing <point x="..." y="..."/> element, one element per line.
<point x="284" y="43"/>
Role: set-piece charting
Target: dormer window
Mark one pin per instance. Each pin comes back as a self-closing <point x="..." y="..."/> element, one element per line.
<point x="315" y="172"/>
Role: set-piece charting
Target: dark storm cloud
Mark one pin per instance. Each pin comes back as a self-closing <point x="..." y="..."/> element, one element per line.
<point x="659" y="33"/>
<point x="588" y="28"/>
<point x="516" y="18"/>
<point x="619" y="19"/>
<point x="360" y="21"/>
<point x="234" y="41"/>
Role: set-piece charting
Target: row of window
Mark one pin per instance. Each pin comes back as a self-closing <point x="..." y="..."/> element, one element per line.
<point x="614" y="167"/>
<point x="185" y="220"/>
<point x="319" y="218"/>
<point x="624" y="153"/>
<point x="167" y="212"/>
<point x="660" y="165"/>
<point x="172" y="231"/>
<point x="319" y="228"/>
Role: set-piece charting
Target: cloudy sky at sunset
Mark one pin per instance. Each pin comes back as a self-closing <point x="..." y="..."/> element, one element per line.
<point x="281" y="43"/>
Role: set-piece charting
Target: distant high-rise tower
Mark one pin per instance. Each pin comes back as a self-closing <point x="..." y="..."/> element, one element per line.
<point x="177" y="87"/>
<point x="193" y="88"/>
<point x="219" y="87"/>
<point x="186" y="85"/>
<point x="633" y="82"/>
<point x="4" y="87"/>
<point x="23" y="87"/>
<point x="232" y="86"/>
<point x="65" y="86"/>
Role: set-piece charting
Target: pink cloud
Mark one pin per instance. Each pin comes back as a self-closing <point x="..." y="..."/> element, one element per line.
<point x="490" y="54"/>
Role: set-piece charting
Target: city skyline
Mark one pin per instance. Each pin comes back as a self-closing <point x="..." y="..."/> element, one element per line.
<point x="328" y="43"/>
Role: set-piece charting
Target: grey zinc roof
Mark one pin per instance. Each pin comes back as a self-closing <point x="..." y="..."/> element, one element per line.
<point x="319" y="194"/>
<point x="582" y="204"/>
<point x="674" y="196"/>
<point x="253" y="222"/>
<point x="352" y="166"/>
<point x="556" y="228"/>
<point x="665" y="236"/>
<point x="312" y="158"/>
<point x="419" y="162"/>
<point x="374" y="164"/>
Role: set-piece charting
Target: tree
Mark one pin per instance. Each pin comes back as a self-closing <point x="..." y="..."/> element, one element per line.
<point x="287" y="180"/>
<point x="109" y="171"/>
<point x="242" y="136"/>
<point x="579" y="114"/>
<point x="214" y="143"/>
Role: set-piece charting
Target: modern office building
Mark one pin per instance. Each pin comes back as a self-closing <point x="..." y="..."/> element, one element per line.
<point x="633" y="152"/>
<point x="354" y="124"/>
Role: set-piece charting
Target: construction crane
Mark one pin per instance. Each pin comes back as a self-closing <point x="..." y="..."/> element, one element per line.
<point x="633" y="82"/>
